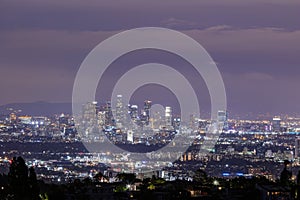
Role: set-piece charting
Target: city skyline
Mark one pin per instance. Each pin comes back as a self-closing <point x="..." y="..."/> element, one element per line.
<point x="254" y="141"/>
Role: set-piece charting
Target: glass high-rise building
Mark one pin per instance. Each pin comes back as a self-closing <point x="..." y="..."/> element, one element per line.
<point x="120" y="117"/>
<point x="168" y="116"/>
<point x="222" y="119"/>
<point x="109" y="119"/>
<point x="146" y="113"/>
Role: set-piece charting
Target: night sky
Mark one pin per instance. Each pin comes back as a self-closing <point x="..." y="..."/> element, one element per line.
<point x="256" y="45"/>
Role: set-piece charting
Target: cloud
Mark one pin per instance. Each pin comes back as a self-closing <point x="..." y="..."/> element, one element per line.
<point x="41" y="64"/>
<point x="247" y="48"/>
<point x="265" y="47"/>
<point x="93" y="15"/>
<point x="174" y="23"/>
<point x="30" y="48"/>
<point x="218" y="28"/>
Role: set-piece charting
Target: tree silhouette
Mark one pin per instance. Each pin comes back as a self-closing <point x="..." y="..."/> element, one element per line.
<point x="99" y="177"/>
<point x="285" y="175"/>
<point x="3" y="186"/>
<point x="126" y="178"/>
<point x="200" y="176"/>
<point x="22" y="182"/>
<point x="298" y="178"/>
<point x="33" y="186"/>
<point x="297" y="187"/>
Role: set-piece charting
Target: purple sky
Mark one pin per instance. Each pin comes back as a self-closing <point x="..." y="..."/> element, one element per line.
<point x="256" y="45"/>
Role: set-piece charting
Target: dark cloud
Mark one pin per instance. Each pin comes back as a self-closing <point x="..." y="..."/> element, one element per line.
<point x="117" y="14"/>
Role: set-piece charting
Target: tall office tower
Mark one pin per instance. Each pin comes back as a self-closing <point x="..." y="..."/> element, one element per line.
<point x="276" y="124"/>
<point x="157" y="116"/>
<point x="202" y="126"/>
<point x="89" y="112"/>
<point x="176" y="122"/>
<point x="89" y="121"/>
<point x="101" y="118"/>
<point x="146" y="113"/>
<point x="222" y="119"/>
<point x="63" y="123"/>
<point x="63" y="120"/>
<point x="120" y="117"/>
<point x="109" y="119"/>
<point x="168" y="116"/>
<point x="297" y="147"/>
<point x="133" y="112"/>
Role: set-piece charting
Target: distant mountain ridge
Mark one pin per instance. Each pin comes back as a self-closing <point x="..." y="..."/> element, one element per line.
<point x="37" y="108"/>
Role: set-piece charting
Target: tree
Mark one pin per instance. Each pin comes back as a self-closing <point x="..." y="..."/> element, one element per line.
<point x="23" y="182"/>
<point x="33" y="185"/>
<point x="126" y="178"/>
<point x="200" y="176"/>
<point x="99" y="177"/>
<point x="3" y="186"/>
<point x="285" y="175"/>
<point x="298" y="178"/>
